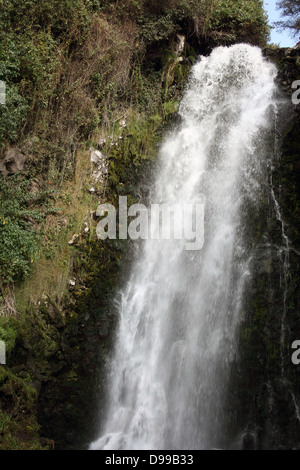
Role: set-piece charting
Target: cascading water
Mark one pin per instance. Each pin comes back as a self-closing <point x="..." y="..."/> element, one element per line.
<point x="180" y="309"/>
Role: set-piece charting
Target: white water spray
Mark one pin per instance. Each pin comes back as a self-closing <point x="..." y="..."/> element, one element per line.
<point x="179" y="310"/>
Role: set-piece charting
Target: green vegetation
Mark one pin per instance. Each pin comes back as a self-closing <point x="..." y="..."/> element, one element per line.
<point x="74" y="70"/>
<point x="71" y="67"/>
<point x="20" y="210"/>
<point x="241" y="20"/>
<point x="290" y="9"/>
<point x="21" y="433"/>
<point x="68" y="60"/>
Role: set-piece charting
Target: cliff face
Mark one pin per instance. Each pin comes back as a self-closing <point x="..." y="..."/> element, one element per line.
<point x="265" y="395"/>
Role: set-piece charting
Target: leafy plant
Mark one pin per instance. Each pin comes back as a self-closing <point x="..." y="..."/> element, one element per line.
<point x="18" y="237"/>
<point x="8" y="333"/>
<point x="12" y="115"/>
<point x="291" y="11"/>
<point x="243" y="19"/>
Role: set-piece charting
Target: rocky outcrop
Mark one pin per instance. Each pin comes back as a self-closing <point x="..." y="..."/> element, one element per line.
<point x="265" y="391"/>
<point x="13" y="162"/>
<point x="288" y="62"/>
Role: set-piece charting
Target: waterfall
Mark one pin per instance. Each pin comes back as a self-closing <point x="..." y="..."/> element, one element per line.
<point x="180" y="310"/>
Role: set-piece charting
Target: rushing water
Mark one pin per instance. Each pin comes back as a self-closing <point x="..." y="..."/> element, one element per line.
<point x="179" y="309"/>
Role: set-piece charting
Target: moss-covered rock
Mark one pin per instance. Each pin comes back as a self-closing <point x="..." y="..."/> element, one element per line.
<point x="265" y="390"/>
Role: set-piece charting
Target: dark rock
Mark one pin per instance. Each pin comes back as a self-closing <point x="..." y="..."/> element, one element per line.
<point x="36" y="385"/>
<point x="249" y="441"/>
<point x="265" y="385"/>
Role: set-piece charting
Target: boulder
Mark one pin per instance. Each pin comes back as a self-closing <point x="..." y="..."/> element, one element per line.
<point x="96" y="156"/>
<point x="13" y="162"/>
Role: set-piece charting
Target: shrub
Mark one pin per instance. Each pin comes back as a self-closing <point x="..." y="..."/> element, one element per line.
<point x="291" y="11"/>
<point x="243" y="20"/>
<point x="18" y="239"/>
<point x="12" y="116"/>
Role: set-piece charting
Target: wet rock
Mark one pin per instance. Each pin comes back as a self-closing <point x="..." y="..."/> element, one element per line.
<point x="249" y="441"/>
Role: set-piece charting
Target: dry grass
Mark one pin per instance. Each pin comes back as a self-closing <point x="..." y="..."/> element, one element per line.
<point x="49" y="277"/>
<point x="8" y="307"/>
<point x="108" y="51"/>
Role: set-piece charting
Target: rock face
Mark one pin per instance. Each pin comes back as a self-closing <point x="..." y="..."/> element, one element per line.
<point x="288" y="61"/>
<point x="13" y="162"/>
<point x="265" y="390"/>
<point x="100" y="168"/>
